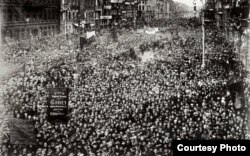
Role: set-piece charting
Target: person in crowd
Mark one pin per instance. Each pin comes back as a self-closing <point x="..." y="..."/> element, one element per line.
<point x="117" y="109"/>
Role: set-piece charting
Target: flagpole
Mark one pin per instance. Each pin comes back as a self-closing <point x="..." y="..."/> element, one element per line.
<point x="203" y="34"/>
<point x="203" y="41"/>
<point x="65" y="28"/>
<point x="24" y="74"/>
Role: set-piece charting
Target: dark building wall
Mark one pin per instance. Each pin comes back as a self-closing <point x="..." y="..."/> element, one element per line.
<point x="23" y="19"/>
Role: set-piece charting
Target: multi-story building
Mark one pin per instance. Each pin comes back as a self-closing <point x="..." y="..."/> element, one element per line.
<point x="146" y="10"/>
<point x="88" y="13"/>
<point x="88" y="17"/>
<point x="130" y="11"/>
<point x="232" y="17"/>
<point x="172" y="9"/>
<point x="25" y="19"/>
<point x="106" y="16"/>
<point x="98" y="13"/>
<point x="117" y="11"/>
<point x="69" y="14"/>
<point x="155" y="9"/>
<point x="161" y="9"/>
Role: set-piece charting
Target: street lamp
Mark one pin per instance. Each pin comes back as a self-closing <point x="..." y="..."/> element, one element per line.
<point x="79" y="23"/>
<point x="203" y="40"/>
<point x="203" y="33"/>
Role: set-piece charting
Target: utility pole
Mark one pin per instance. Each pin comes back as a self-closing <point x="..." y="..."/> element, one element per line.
<point x="203" y="36"/>
<point x="203" y="40"/>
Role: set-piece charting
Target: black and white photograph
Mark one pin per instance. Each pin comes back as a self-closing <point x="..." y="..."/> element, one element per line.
<point x="124" y="77"/>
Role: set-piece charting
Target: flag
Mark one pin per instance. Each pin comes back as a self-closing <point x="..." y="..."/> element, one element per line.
<point x="90" y="36"/>
<point x="152" y="31"/>
<point x="91" y="40"/>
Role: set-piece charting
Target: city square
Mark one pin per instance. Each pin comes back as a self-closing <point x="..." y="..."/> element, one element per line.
<point x="124" y="86"/>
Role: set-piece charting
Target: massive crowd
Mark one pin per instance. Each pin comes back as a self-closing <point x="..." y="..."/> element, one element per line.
<point x="120" y="106"/>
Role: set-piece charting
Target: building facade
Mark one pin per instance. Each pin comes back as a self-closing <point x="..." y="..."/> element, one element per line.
<point x="146" y="10"/>
<point x="88" y="13"/>
<point x="232" y="18"/>
<point x="119" y="12"/>
<point x="106" y="17"/>
<point x="130" y="12"/>
<point x="69" y="14"/>
<point x="161" y="9"/>
<point x="27" y="19"/>
<point x="112" y="12"/>
<point x="79" y="13"/>
<point x="98" y="13"/>
<point x="155" y="9"/>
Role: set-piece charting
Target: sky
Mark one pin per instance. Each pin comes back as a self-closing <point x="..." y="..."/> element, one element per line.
<point x="190" y="2"/>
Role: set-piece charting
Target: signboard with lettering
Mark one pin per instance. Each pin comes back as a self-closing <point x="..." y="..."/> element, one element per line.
<point x="58" y="104"/>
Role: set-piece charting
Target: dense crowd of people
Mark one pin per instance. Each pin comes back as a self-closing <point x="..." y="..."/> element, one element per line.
<point x="120" y="106"/>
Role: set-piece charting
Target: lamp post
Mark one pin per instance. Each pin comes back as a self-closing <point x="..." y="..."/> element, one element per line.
<point x="79" y="23"/>
<point x="203" y="34"/>
<point x="203" y="41"/>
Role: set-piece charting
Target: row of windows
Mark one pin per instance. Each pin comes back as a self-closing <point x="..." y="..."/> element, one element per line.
<point x="145" y="8"/>
<point x="71" y="15"/>
<point x="71" y="2"/>
<point x="12" y="15"/>
<point x="22" y="33"/>
<point x="34" y="1"/>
